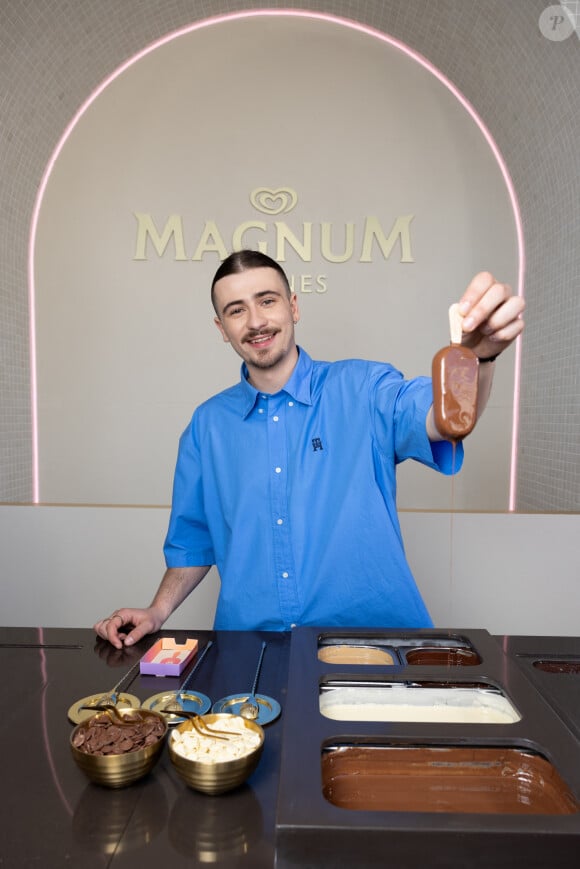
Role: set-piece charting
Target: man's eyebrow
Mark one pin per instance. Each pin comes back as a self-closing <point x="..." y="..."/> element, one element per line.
<point x="259" y="295"/>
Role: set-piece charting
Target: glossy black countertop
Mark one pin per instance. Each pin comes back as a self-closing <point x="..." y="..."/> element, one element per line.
<point x="52" y="816"/>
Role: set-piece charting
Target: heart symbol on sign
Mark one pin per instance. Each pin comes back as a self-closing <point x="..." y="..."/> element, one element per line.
<point x="270" y="201"/>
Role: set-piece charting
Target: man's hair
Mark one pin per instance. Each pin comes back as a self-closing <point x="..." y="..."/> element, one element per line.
<point x="243" y="261"/>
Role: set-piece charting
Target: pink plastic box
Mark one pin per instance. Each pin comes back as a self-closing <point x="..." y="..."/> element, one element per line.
<point x="167" y="658"/>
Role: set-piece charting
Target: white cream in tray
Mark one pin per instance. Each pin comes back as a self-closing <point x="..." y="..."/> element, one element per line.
<point x="412" y="702"/>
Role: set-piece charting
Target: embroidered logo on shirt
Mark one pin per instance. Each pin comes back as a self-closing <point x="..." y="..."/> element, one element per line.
<point x="317" y="444"/>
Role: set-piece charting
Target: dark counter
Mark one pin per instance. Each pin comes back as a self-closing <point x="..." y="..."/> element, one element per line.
<point x="53" y="816"/>
<point x="404" y="833"/>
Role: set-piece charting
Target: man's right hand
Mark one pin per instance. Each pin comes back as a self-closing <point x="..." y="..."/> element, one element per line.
<point x="125" y="627"/>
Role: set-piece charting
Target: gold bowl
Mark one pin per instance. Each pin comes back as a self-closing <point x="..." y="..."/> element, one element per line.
<point x="122" y="767"/>
<point x="216" y="777"/>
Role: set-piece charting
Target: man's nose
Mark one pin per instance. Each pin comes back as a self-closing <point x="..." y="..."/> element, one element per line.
<point x="256" y="317"/>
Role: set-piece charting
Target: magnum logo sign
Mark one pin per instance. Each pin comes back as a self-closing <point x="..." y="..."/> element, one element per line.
<point x="363" y="242"/>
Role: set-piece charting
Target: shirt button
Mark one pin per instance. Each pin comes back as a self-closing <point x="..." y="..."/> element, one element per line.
<point x="278" y="470"/>
<point x="290" y="404"/>
<point x="275" y="418"/>
<point x="265" y="396"/>
<point x="285" y="575"/>
<point x="260" y="410"/>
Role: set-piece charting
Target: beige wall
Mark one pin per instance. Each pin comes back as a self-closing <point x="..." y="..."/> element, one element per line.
<point x="69" y="566"/>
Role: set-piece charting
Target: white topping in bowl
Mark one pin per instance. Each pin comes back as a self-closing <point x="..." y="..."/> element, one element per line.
<point x="240" y="742"/>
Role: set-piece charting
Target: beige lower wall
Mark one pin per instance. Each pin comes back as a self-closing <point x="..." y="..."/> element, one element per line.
<point x="507" y="573"/>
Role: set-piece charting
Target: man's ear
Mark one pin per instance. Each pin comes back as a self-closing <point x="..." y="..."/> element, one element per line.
<point x="294" y="307"/>
<point x="218" y="323"/>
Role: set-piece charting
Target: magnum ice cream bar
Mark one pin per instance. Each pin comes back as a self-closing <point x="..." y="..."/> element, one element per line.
<point x="455" y="380"/>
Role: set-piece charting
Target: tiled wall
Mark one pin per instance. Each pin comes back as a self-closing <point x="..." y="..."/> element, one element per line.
<point x="524" y="86"/>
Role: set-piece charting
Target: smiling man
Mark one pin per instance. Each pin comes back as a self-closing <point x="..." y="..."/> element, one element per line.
<point x="256" y="314"/>
<point x="287" y="480"/>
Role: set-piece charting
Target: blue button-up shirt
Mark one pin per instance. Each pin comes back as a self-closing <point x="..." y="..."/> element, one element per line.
<point x="292" y="496"/>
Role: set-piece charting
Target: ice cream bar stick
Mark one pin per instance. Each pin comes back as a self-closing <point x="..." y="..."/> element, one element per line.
<point x="455" y="324"/>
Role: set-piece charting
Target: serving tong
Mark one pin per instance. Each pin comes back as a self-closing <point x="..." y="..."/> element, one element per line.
<point x="113" y="712"/>
<point x="204" y="729"/>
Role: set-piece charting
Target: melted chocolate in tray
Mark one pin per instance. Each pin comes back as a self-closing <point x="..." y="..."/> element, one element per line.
<point x="477" y="780"/>
<point x="552" y="666"/>
<point x="443" y="657"/>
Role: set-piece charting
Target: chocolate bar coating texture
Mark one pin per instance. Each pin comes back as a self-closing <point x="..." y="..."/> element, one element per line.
<point x="455" y="381"/>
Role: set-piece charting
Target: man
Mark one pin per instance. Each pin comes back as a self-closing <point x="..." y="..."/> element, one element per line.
<point x="286" y="481"/>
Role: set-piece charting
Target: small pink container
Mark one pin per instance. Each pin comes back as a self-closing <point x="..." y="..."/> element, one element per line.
<point x="168" y="658"/>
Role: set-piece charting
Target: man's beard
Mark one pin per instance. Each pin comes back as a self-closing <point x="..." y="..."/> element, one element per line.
<point x="267" y="361"/>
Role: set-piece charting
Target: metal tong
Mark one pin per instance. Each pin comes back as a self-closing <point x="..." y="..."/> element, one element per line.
<point x="204" y="729"/>
<point x="113" y="713"/>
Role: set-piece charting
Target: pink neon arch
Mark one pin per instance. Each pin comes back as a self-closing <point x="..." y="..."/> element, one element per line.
<point x="255" y="13"/>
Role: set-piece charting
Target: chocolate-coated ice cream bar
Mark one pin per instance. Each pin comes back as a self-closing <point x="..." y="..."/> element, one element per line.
<point x="455" y="382"/>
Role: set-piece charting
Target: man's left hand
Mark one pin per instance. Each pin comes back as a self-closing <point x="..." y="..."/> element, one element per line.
<point x="492" y="315"/>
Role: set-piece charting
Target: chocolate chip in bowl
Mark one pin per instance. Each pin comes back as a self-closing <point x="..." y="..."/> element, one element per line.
<point x="117" y="749"/>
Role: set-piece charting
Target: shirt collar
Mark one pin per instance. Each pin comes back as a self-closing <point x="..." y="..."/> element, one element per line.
<point x="298" y="386"/>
